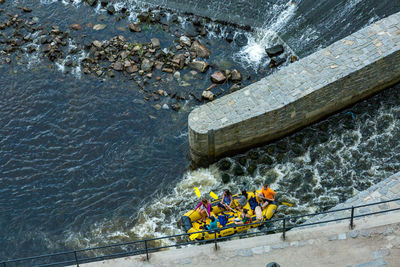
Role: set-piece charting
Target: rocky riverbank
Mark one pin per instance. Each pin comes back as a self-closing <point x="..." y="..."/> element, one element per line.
<point x="160" y="69"/>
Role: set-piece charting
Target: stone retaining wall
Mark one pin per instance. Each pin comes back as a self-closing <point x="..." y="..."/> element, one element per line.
<point x="299" y="94"/>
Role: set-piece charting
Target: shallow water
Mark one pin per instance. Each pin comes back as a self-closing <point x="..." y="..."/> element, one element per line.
<point x="86" y="161"/>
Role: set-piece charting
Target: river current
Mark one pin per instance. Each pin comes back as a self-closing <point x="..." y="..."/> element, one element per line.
<point x="86" y="161"/>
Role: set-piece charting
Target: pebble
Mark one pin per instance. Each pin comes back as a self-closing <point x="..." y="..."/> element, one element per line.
<point x="165" y="106"/>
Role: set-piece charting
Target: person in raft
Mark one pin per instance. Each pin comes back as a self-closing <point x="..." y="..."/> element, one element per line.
<point x="213" y="224"/>
<point x="204" y="209"/>
<point x="245" y="218"/>
<point x="242" y="200"/>
<point x="226" y="201"/>
<point x="267" y="196"/>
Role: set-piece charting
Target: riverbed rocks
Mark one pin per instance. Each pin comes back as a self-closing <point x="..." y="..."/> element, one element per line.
<point x="218" y="77"/>
<point x="134" y="27"/>
<point x="274" y="51"/>
<point x="236" y="76"/>
<point x="200" y="50"/>
<point x="199" y="65"/>
<point x="76" y="27"/>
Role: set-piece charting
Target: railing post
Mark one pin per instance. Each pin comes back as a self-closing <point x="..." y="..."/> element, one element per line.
<point x="284" y="228"/>
<point x="76" y="259"/>
<point x="147" y="251"/>
<point x="352" y="218"/>
<point x="215" y="240"/>
<point x="4" y="264"/>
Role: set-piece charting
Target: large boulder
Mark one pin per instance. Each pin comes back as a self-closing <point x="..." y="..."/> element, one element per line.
<point x="199" y="65"/>
<point x="134" y="28"/>
<point x="200" y="50"/>
<point x="91" y="2"/>
<point x="208" y="95"/>
<point x="147" y="65"/>
<point x="155" y="43"/>
<point x="274" y="51"/>
<point x="218" y="77"/>
<point x="236" y="76"/>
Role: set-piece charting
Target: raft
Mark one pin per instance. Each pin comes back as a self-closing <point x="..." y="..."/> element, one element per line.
<point x="191" y="219"/>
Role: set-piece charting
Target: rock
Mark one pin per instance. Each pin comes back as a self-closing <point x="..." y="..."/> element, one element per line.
<point x="76" y="27"/>
<point x="293" y="59"/>
<point x="104" y="2"/>
<point x="241" y="39"/>
<point x="99" y="73"/>
<point x="168" y="70"/>
<point x="91" y="2"/>
<point x="176" y="106"/>
<point x="273" y="264"/>
<point x="225" y="178"/>
<point x="185" y="40"/>
<point x="25" y="9"/>
<point x="177" y="75"/>
<point x="157" y="106"/>
<point x="236" y="76"/>
<point x="274" y="51"/>
<point x="212" y="86"/>
<point x="199" y="65"/>
<point x="200" y="50"/>
<point x="155" y="43"/>
<point x="235" y="88"/>
<point x="97" y="44"/>
<point x="143" y="17"/>
<point x="110" y="9"/>
<point x="179" y="61"/>
<point x="127" y="63"/>
<point x="132" y="69"/>
<point x="8" y="60"/>
<point x="117" y="66"/>
<point x="165" y="106"/>
<point x="99" y="27"/>
<point x="218" y="77"/>
<point x="191" y="30"/>
<point x="134" y="28"/>
<point x="229" y="37"/>
<point x="147" y="65"/>
<point x="275" y="62"/>
<point x="208" y="95"/>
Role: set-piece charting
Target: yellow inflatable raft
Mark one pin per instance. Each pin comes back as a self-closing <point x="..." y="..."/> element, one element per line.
<point x="191" y="219"/>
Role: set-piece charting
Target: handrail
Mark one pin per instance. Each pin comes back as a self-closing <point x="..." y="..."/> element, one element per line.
<point x="76" y="260"/>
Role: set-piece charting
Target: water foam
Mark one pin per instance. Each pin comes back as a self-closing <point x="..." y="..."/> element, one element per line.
<point x="253" y="54"/>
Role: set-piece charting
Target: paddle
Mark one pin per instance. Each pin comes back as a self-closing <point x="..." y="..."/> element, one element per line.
<point x="197" y="192"/>
<point x="214" y="196"/>
<point x="286" y="204"/>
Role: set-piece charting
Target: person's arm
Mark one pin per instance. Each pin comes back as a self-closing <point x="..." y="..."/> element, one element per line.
<point x="198" y="206"/>
<point x="231" y="204"/>
<point x="222" y="199"/>
<point x="209" y="209"/>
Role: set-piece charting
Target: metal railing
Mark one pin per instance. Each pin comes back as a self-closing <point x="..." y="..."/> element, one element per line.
<point x="143" y="247"/>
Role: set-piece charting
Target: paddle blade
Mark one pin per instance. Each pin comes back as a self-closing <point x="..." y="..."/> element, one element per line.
<point x="213" y="195"/>
<point x="197" y="191"/>
<point x="287" y="204"/>
<point x="194" y="236"/>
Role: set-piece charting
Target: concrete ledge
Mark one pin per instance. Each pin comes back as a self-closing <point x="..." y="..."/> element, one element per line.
<point x="299" y="94"/>
<point x="375" y="239"/>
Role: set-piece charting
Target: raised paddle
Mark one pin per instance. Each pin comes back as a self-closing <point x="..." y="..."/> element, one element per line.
<point x="197" y="192"/>
<point x="213" y="195"/>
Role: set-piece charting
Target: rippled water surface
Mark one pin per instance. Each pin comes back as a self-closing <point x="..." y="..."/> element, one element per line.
<point x="87" y="161"/>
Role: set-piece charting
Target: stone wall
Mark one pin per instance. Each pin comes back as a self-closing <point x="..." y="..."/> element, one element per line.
<point x="303" y="92"/>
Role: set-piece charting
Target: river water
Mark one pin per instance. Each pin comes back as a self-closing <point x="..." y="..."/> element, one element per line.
<point x="87" y="161"/>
